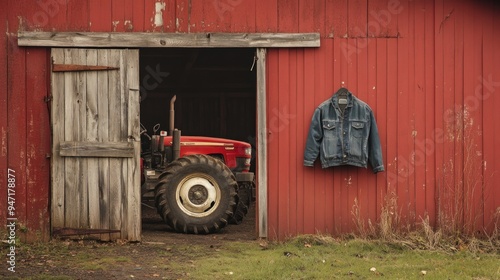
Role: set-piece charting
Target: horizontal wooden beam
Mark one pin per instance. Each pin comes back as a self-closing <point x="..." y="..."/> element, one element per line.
<point x="96" y="149"/>
<point x="167" y="40"/>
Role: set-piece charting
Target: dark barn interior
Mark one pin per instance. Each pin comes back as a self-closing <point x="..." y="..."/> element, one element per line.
<point x="215" y="89"/>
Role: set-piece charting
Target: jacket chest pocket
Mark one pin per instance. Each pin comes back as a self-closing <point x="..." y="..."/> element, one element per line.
<point x="329" y="128"/>
<point x="357" y="129"/>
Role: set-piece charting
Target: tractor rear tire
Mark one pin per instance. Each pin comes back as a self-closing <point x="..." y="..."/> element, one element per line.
<point x="196" y="194"/>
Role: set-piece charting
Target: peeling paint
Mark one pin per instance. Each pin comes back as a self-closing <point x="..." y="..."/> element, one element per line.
<point x="159" y="8"/>
<point x="4" y="142"/>
<point x="128" y="25"/>
<point x="115" y="24"/>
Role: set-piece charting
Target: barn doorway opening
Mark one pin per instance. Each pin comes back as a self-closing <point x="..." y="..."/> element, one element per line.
<point x="215" y="91"/>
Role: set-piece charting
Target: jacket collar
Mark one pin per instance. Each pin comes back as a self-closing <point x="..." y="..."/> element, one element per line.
<point x="335" y="97"/>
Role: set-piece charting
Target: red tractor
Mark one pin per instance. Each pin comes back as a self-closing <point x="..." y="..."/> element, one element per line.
<point x="200" y="184"/>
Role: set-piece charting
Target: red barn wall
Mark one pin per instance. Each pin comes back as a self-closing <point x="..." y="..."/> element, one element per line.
<point x="429" y="70"/>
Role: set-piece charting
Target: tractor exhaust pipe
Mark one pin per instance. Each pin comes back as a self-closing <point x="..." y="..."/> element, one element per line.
<point x="172" y="115"/>
<point x="176" y="144"/>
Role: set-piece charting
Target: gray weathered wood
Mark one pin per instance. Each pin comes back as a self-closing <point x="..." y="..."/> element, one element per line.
<point x="133" y="214"/>
<point x="92" y="136"/>
<point x="262" y="142"/>
<point x="96" y="149"/>
<point x="57" y="163"/>
<point x="80" y="57"/>
<point x="103" y="136"/>
<point x="96" y="174"/>
<point x="115" y="93"/>
<point x="166" y="40"/>
<point x="79" y="67"/>
<point x="71" y="130"/>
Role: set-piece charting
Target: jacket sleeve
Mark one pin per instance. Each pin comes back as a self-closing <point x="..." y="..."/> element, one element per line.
<point x="375" y="150"/>
<point x="314" y="138"/>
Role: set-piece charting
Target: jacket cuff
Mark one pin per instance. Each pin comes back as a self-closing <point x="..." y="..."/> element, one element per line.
<point x="378" y="169"/>
<point x="308" y="163"/>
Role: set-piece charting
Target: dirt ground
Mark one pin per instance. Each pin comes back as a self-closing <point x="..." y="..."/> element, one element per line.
<point x="148" y="259"/>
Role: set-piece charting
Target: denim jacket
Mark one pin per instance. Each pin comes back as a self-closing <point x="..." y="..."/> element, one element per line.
<point x="344" y="138"/>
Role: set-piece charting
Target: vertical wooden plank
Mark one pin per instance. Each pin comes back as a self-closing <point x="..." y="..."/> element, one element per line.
<point x="340" y="61"/>
<point x="16" y="112"/>
<point x="381" y="115"/>
<point x="103" y="135"/>
<point x="118" y="15"/>
<point x="92" y="118"/>
<point x="100" y="15"/>
<point x="115" y="94"/>
<point x="133" y="201"/>
<point x="336" y="18"/>
<point x="489" y="87"/>
<point x="357" y="18"/>
<point x="295" y="163"/>
<point x="468" y="122"/>
<point x="71" y="130"/>
<point x="78" y="12"/>
<point x="392" y="171"/>
<point x="149" y="12"/>
<point x="272" y="143"/>
<point x="182" y="16"/>
<point x="320" y="95"/>
<point x="262" y="142"/>
<point x="439" y="109"/>
<point x="244" y="16"/>
<point x="309" y="187"/>
<point x="38" y="133"/>
<point x="360" y="178"/>
<point x="138" y="9"/>
<point x="329" y="89"/>
<point x="419" y="114"/>
<point x="303" y="122"/>
<point x="49" y="15"/>
<point x="305" y="17"/>
<point x="431" y="139"/>
<point x="473" y="128"/>
<point x="210" y="18"/>
<point x="453" y="111"/>
<point x="266" y="16"/>
<point x="492" y="86"/>
<point x="404" y="124"/>
<point x="169" y="15"/>
<point x="282" y="133"/>
<point x="301" y="14"/>
<point x="319" y="17"/>
<point x="57" y="162"/>
<point x="350" y="178"/>
<point x="81" y="59"/>
<point x="128" y="17"/>
<point x="289" y="17"/>
<point x="369" y="193"/>
<point x="3" y="112"/>
<point x="343" y="172"/>
<point x="415" y="100"/>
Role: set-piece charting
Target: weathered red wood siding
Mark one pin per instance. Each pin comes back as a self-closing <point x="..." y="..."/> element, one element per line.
<point x="429" y="69"/>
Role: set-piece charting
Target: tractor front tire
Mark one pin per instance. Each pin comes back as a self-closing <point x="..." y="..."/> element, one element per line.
<point x="196" y="194"/>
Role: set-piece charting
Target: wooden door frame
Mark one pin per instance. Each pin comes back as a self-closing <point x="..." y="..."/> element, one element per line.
<point x="258" y="41"/>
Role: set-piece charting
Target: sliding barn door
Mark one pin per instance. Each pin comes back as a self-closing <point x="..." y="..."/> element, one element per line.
<point x="96" y="143"/>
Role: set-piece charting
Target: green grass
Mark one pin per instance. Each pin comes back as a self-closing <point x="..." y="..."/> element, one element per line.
<point x="338" y="260"/>
<point x="303" y="257"/>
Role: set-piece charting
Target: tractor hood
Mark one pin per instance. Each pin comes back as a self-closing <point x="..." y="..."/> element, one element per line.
<point x="207" y="141"/>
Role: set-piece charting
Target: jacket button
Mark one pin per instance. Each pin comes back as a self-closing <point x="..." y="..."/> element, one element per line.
<point x="345" y="156"/>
